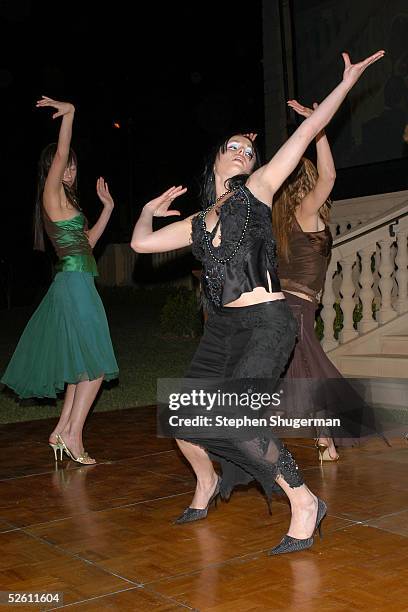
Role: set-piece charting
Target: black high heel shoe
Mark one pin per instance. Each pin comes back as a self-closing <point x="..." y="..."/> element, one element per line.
<point x="195" y="514"/>
<point x="289" y="544"/>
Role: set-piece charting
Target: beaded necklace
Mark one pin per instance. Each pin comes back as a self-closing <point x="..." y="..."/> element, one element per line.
<point x="238" y="244"/>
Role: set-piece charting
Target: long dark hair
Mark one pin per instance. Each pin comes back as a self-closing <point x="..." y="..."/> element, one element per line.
<point x="44" y="165"/>
<point x="207" y="184"/>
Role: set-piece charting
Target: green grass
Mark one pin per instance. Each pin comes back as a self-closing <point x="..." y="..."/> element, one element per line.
<point x="144" y="354"/>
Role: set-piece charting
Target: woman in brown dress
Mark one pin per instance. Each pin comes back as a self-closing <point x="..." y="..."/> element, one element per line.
<point x="300" y="217"/>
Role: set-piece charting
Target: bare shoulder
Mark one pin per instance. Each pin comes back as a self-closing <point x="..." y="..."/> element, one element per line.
<point x="52" y="205"/>
<point x="191" y="218"/>
<point x="309" y="221"/>
<point x="56" y="212"/>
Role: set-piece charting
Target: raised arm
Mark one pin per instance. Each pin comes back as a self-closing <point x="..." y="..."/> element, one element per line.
<point x="265" y="181"/>
<point x="310" y="205"/>
<point x="51" y="196"/>
<point x="174" y="236"/>
<point x="105" y="197"/>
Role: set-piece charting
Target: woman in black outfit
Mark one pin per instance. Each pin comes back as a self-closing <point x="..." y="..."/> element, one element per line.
<point x="251" y="331"/>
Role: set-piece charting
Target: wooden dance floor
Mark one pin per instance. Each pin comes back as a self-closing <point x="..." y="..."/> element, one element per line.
<point x="103" y="535"/>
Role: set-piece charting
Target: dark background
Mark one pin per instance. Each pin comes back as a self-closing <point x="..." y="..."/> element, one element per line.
<point x="371" y="123"/>
<point x="174" y="78"/>
<point x="367" y="133"/>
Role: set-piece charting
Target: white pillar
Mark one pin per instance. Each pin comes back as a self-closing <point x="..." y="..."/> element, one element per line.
<point x="328" y="313"/>
<point x="402" y="273"/>
<point x="366" y="292"/>
<point x="347" y="304"/>
<point x="386" y="312"/>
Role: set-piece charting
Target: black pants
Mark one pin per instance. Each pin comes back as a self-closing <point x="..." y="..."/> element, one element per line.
<point x="241" y="343"/>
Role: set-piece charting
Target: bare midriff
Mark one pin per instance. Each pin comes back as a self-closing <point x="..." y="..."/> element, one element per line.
<point x="256" y="296"/>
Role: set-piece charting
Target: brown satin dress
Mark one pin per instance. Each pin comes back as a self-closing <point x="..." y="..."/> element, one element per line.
<point x="305" y="272"/>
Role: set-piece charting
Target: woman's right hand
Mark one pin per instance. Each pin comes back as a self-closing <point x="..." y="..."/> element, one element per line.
<point x="304" y="111"/>
<point x="160" y="205"/>
<point x="63" y="108"/>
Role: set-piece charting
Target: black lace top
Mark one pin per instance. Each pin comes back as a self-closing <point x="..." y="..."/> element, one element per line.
<point x="225" y="278"/>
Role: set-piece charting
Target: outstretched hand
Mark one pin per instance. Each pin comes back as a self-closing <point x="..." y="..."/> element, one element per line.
<point x="160" y="205"/>
<point x="63" y="108"/>
<point x="105" y="197"/>
<point x="352" y="72"/>
<point x="304" y="111"/>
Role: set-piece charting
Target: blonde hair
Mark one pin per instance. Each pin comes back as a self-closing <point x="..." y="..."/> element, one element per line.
<point x="290" y="194"/>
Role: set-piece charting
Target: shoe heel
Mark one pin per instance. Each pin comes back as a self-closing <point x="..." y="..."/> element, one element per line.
<point x="56" y="448"/>
<point x="321" y="448"/>
<point x="321" y="513"/>
<point x="195" y="514"/>
<point x="289" y="544"/>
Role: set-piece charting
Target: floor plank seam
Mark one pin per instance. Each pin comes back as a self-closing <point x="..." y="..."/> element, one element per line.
<point x="247" y="556"/>
<point x="67" y="518"/>
<point x="144" y="456"/>
<point x="80" y="558"/>
<point x="12" y="526"/>
<point x="50" y="471"/>
<point x="387" y="515"/>
<point x="107" y="462"/>
<point x="171" y="476"/>
<point x="26" y="476"/>
<point x="353" y="521"/>
<point x="343" y="527"/>
<point x="400" y="535"/>
<point x="338" y="516"/>
<point x="136" y="585"/>
<point x="136" y="588"/>
<point x="168" y="598"/>
<point x="82" y="601"/>
<point x="10" y="530"/>
<point x="368" y="520"/>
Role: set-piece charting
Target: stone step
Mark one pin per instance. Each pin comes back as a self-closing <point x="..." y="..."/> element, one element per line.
<point x="395" y="345"/>
<point x="380" y="365"/>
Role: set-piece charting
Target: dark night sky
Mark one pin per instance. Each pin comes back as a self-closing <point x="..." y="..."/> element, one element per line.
<point x="174" y="78"/>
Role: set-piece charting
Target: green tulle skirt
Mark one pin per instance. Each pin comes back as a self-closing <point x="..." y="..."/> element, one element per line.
<point x="66" y="340"/>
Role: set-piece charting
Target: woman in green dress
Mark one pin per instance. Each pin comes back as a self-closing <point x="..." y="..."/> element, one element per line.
<point x="66" y="343"/>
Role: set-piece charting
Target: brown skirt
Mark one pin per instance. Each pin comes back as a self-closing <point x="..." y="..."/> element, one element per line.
<point x="309" y="361"/>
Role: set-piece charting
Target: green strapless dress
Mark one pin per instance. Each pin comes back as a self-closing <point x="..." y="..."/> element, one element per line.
<point x="67" y="339"/>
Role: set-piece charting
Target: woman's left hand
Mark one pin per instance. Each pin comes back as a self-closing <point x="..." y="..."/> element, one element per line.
<point x="304" y="111"/>
<point x="251" y="135"/>
<point x="105" y="197"/>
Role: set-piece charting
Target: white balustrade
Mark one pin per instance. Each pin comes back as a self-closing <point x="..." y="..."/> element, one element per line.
<point x="373" y="274"/>
<point x="386" y="269"/>
<point x="347" y="290"/>
<point x="328" y="314"/>
<point x="401" y="275"/>
<point x="366" y="294"/>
